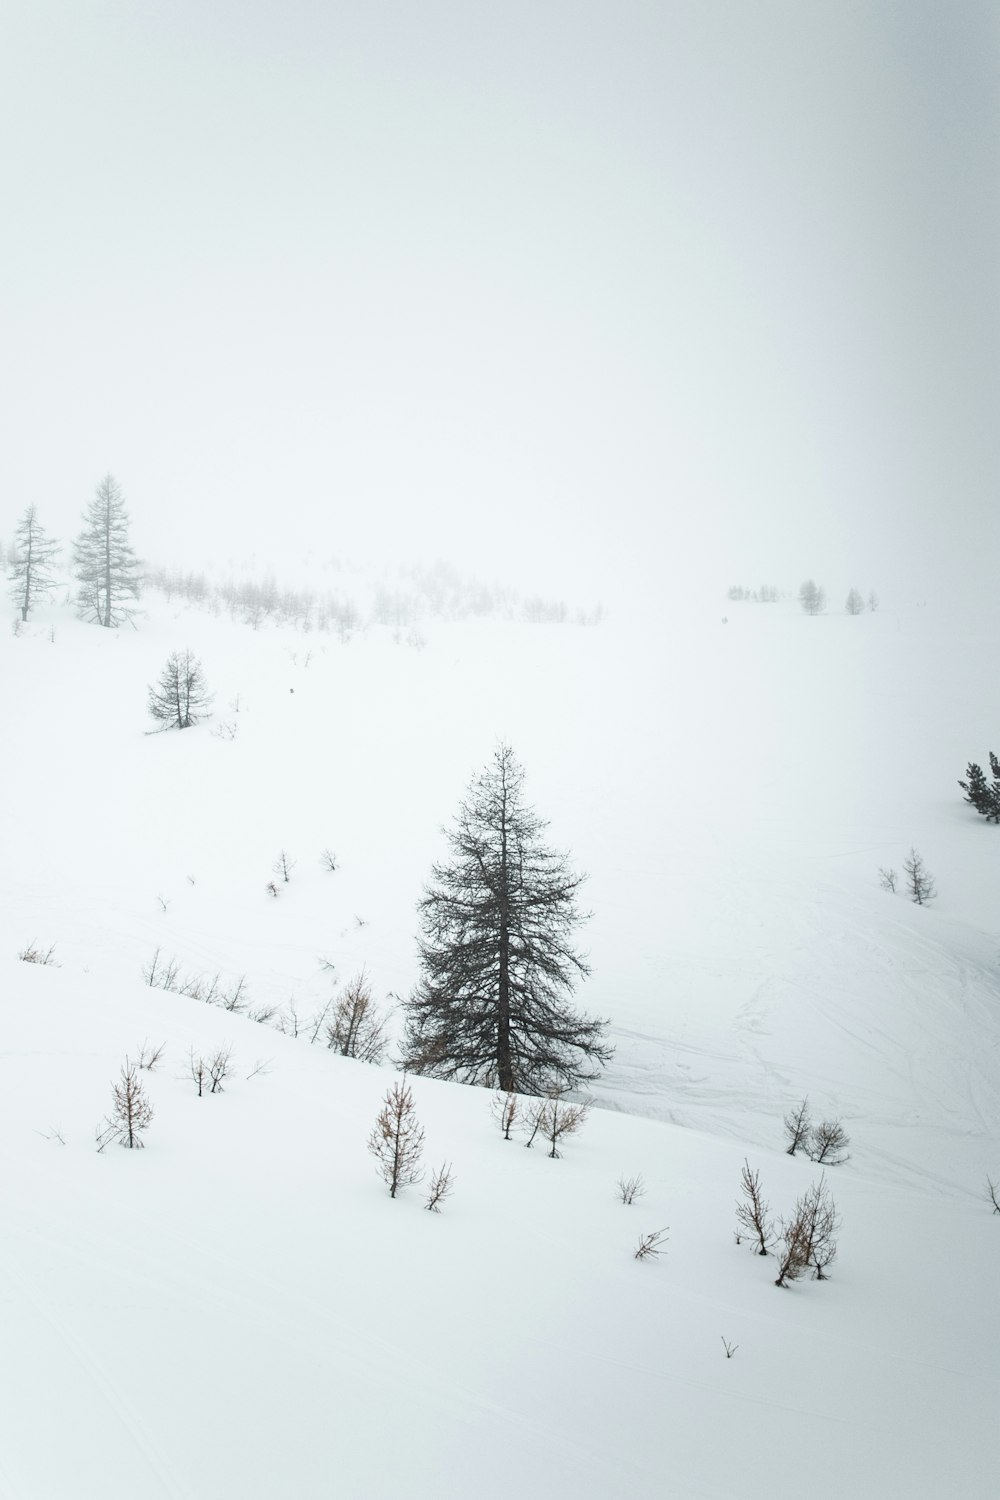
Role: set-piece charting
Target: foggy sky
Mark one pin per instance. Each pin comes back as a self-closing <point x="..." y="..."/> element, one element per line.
<point x="570" y="291"/>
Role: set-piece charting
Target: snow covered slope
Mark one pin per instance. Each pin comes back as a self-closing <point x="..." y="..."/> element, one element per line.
<point x="240" y="1309"/>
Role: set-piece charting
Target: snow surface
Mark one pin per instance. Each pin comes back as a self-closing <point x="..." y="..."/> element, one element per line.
<point x="240" y="1309"/>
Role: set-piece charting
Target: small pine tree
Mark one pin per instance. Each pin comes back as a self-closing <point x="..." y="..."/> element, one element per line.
<point x="397" y="1140"/>
<point x="981" y="794"/>
<point x="855" y="604"/>
<point x="131" y="1111"/>
<point x="919" y="880"/>
<point x="181" y="697"/>
<point x="752" y="1213"/>
<point x="33" y="551"/>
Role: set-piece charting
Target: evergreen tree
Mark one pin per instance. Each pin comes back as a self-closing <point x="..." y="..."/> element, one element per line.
<point x="106" y="566"/>
<point x="180" y="698"/>
<point x="33" y="551"/>
<point x="855" y="604"/>
<point x="492" y="1007"/>
<point x="981" y="794"/>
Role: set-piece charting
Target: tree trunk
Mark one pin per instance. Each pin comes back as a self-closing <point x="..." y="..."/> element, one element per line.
<point x="505" y="1067"/>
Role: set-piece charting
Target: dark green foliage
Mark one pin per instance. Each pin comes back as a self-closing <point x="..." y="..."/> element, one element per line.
<point x="492" y="1007"/>
<point x="981" y="794"/>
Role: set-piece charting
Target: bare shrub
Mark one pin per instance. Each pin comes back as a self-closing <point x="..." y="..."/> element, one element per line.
<point x="234" y="998"/>
<point x="809" y="1236"/>
<point x="797" y="1126"/>
<point x="199" y="1072"/>
<point x="534" y="1119"/>
<point x="752" y="1213"/>
<point x="505" y="1109"/>
<point x="992" y="1190"/>
<point x="397" y="1140"/>
<point x="271" y="888"/>
<point x="289" y="1022"/>
<point x="729" y="1348"/>
<point x="131" y="1111"/>
<point x="162" y="973"/>
<point x="631" y="1188"/>
<point x="827" y="1143"/>
<point x="328" y="860"/>
<point x="219" y="1068"/>
<point x="317" y="1022"/>
<point x="442" y="1182"/>
<point x="262" y="1014"/>
<point x="562" y="1118"/>
<point x="793" y="1257"/>
<point x="651" y="1244"/>
<point x="887" y="879"/>
<point x="283" y="866"/>
<point x="33" y="954"/>
<point x="149" y="1056"/>
<point x="554" y="1117"/>
<point x="357" y="1027"/>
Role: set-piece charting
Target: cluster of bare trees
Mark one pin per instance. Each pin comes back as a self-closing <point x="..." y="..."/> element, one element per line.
<point x="825" y="1143"/>
<point x="919" y="885"/>
<point x="351" y="1022"/>
<point x="551" y="1118"/>
<point x="806" y="1240"/>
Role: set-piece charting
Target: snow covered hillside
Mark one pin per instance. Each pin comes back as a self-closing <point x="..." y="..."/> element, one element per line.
<point x="241" y="1310"/>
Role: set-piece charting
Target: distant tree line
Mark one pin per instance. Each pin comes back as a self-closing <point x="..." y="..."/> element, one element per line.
<point x="811" y="596"/>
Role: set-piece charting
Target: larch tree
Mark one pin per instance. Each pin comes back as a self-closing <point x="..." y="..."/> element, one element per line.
<point x="29" y="562"/>
<point x="180" y="698"/>
<point x="106" y="567"/>
<point x="493" y="1004"/>
<point x="397" y="1139"/>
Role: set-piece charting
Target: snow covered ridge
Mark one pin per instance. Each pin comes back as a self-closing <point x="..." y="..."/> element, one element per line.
<point x="221" y="1313"/>
<point x="224" y="1311"/>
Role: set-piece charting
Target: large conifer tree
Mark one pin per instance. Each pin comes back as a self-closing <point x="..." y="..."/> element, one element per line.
<point x="106" y="566"/>
<point x="493" y="1004"/>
